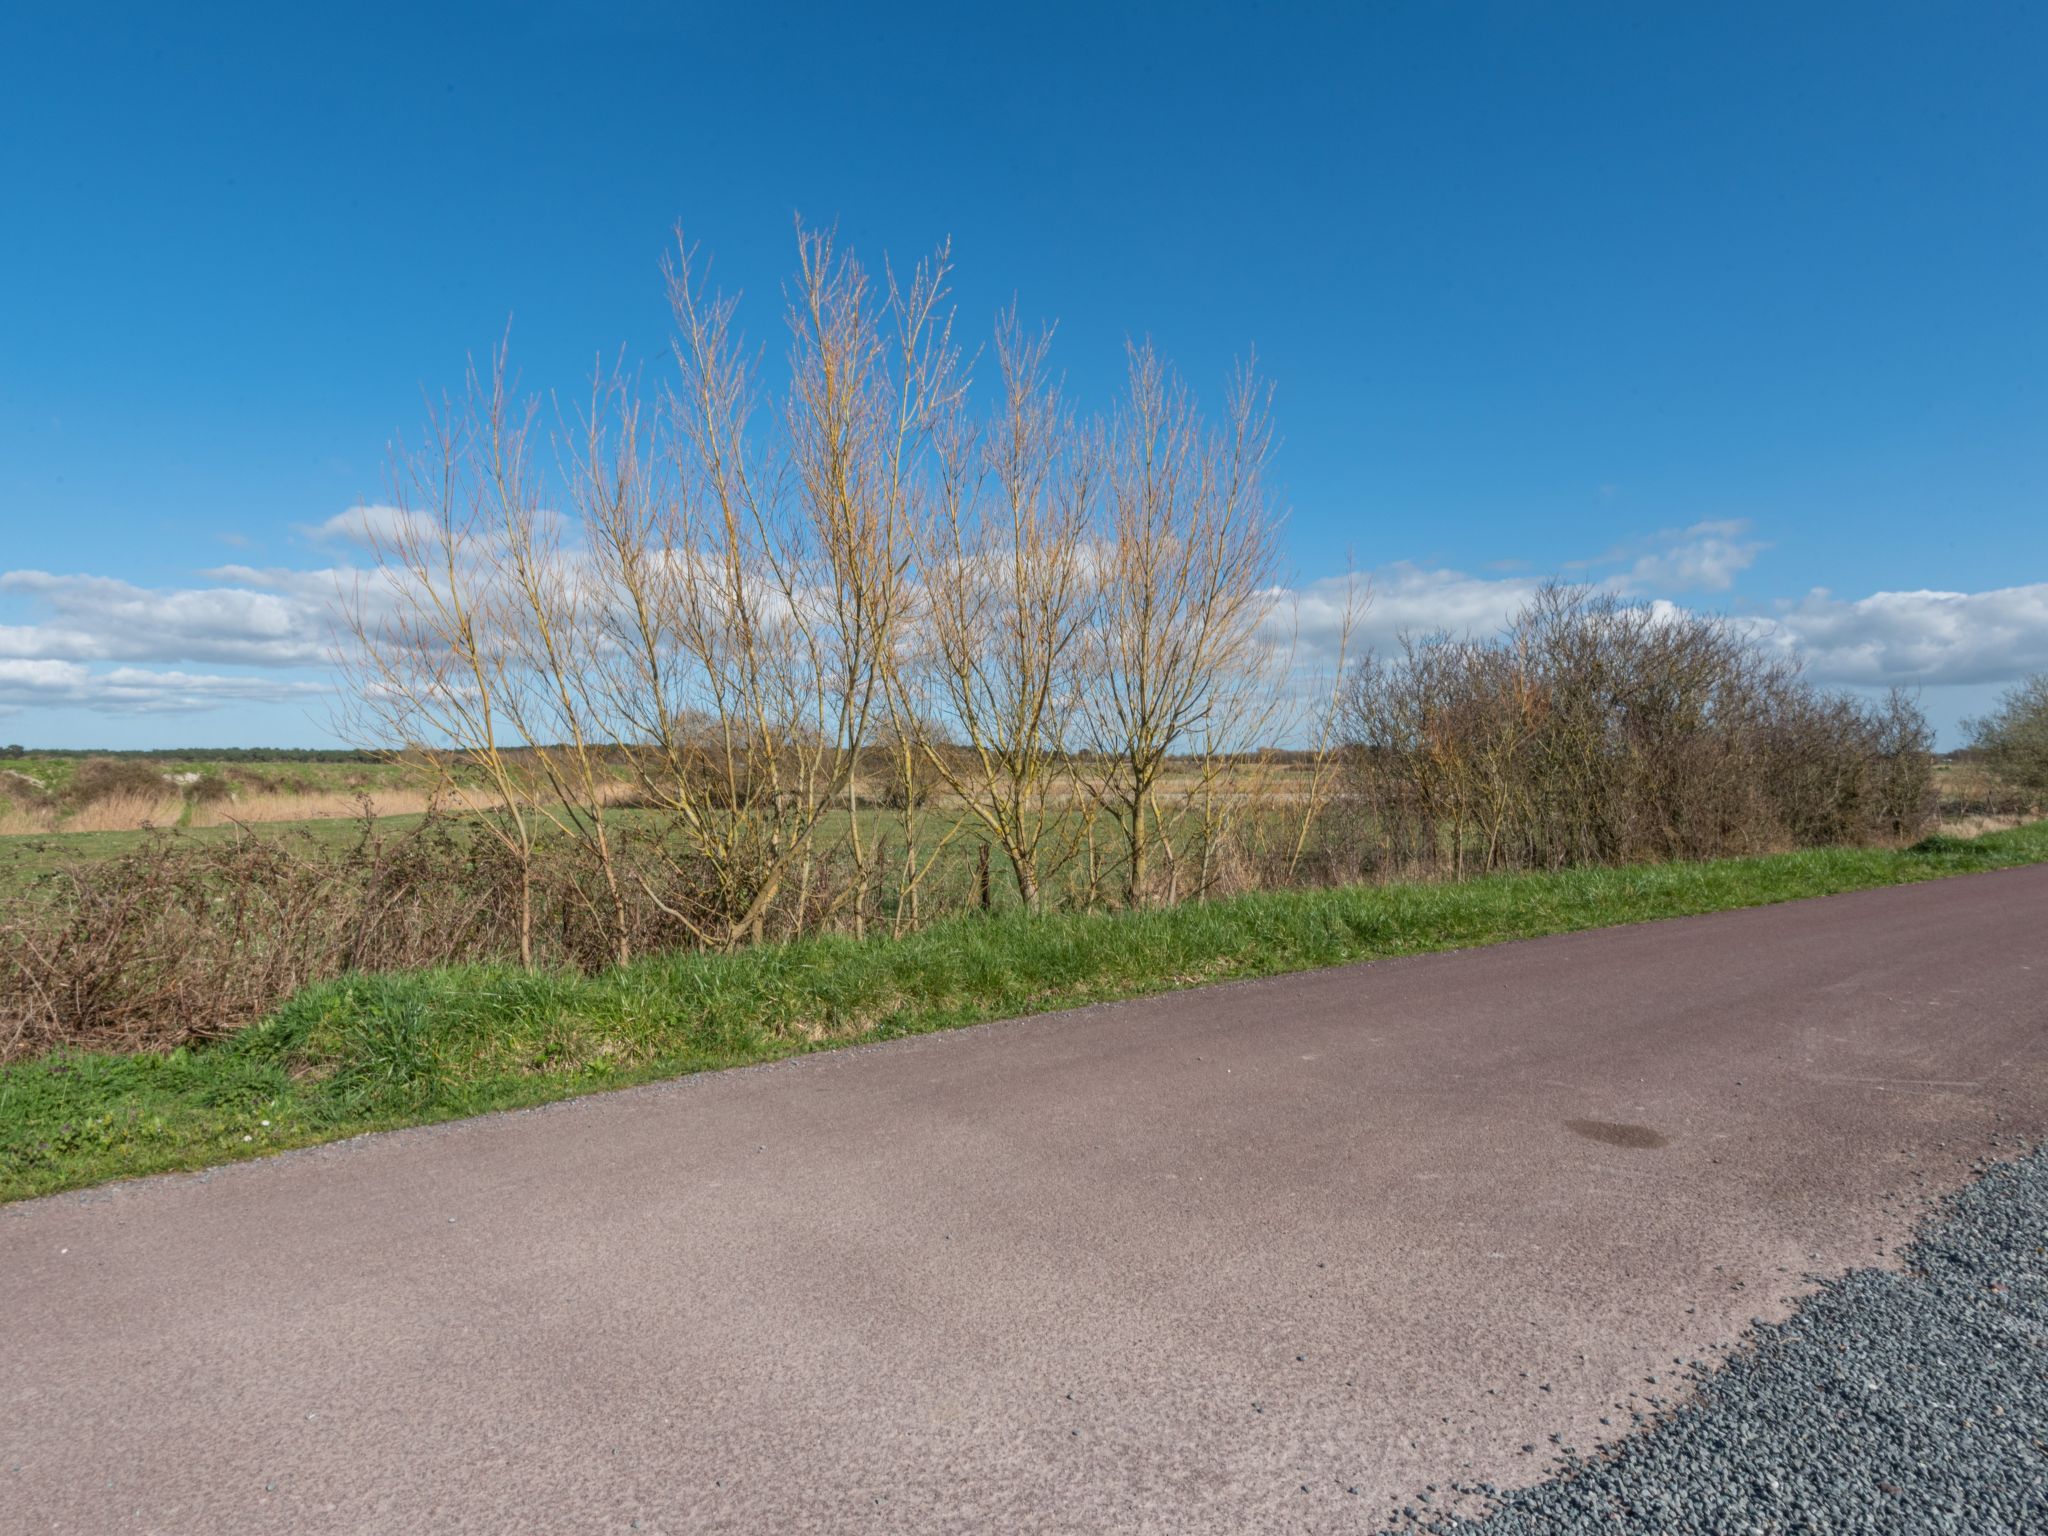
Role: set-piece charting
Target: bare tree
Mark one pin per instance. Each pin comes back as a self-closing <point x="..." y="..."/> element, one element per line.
<point x="1186" y="568"/>
<point x="1007" y="593"/>
<point x="755" y="599"/>
<point x="756" y="623"/>
<point x="431" y="628"/>
<point x="1245" y="808"/>
<point x="860" y="414"/>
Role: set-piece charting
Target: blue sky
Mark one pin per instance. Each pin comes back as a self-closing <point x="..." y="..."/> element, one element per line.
<point x="1740" y="306"/>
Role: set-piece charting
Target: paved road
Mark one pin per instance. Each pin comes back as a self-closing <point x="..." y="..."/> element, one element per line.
<point x="1210" y="1262"/>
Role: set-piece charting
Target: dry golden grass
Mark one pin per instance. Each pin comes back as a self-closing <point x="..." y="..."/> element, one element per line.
<point x="1963" y="778"/>
<point x="125" y="813"/>
<point x="325" y="805"/>
<point x="135" y="812"/>
<point x="1977" y="826"/>
<point x="16" y="822"/>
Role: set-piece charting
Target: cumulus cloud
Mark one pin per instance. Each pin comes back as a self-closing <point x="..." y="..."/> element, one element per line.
<point x="1707" y="557"/>
<point x="51" y="684"/>
<point x="316" y="588"/>
<point x="377" y="526"/>
<point x="101" y="643"/>
<point x="1917" y="638"/>
<point x="98" y="618"/>
<point x="364" y="526"/>
<point x="1911" y="639"/>
<point x="1401" y="598"/>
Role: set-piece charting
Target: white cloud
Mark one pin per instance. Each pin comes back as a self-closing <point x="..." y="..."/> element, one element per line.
<point x="1401" y="598"/>
<point x="98" y="618"/>
<point x="377" y="526"/>
<point x="101" y="643"/>
<point x="317" y="587"/>
<point x="1707" y="557"/>
<point x="1913" y="638"/>
<point x="365" y="526"/>
<point x="50" y="684"/>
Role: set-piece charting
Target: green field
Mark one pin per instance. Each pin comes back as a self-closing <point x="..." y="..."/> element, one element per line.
<point x="270" y="789"/>
<point x="25" y="857"/>
<point x="942" y="830"/>
<point x="366" y="1053"/>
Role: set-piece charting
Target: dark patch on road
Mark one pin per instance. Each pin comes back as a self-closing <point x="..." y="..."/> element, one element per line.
<point x="1616" y="1134"/>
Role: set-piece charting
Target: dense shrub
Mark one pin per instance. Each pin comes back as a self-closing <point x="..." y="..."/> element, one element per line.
<point x="182" y="939"/>
<point x="1597" y="732"/>
<point x="2013" y="739"/>
<point x="211" y="788"/>
<point x="109" y="778"/>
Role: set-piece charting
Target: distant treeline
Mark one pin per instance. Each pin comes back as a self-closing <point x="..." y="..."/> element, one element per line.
<point x="1279" y="756"/>
<point x="205" y="754"/>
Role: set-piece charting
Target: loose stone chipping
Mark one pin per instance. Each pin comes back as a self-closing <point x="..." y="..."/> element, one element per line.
<point x="1890" y="1401"/>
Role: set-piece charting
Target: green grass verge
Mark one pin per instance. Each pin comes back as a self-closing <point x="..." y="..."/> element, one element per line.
<point x="368" y="1053"/>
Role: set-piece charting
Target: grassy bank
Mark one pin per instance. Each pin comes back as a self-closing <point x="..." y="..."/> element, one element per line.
<point x="373" y="1052"/>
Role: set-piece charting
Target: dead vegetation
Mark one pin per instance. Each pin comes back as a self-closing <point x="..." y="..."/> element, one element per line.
<point x="1594" y="732"/>
<point x="180" y="940"/>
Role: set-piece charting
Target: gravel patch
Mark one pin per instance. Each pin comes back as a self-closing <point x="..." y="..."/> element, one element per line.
<point x="1890" y="1401"/>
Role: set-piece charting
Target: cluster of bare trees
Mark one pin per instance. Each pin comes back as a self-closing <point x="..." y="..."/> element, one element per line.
<point x="757" y="660"/>
<point x="1597" y="732"/>
<point x="748" y="620"/>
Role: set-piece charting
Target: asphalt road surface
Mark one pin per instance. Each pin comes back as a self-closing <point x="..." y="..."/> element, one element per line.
<point x="1263" y="1257"/>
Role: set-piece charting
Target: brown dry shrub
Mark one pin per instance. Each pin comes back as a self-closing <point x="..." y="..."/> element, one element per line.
<point x="111" y="778"/>
<point x="184" y="939"/>
<point x="2012" y="742"/>
<point x="210" y="789"/>
<point x="1596" y="732"/>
